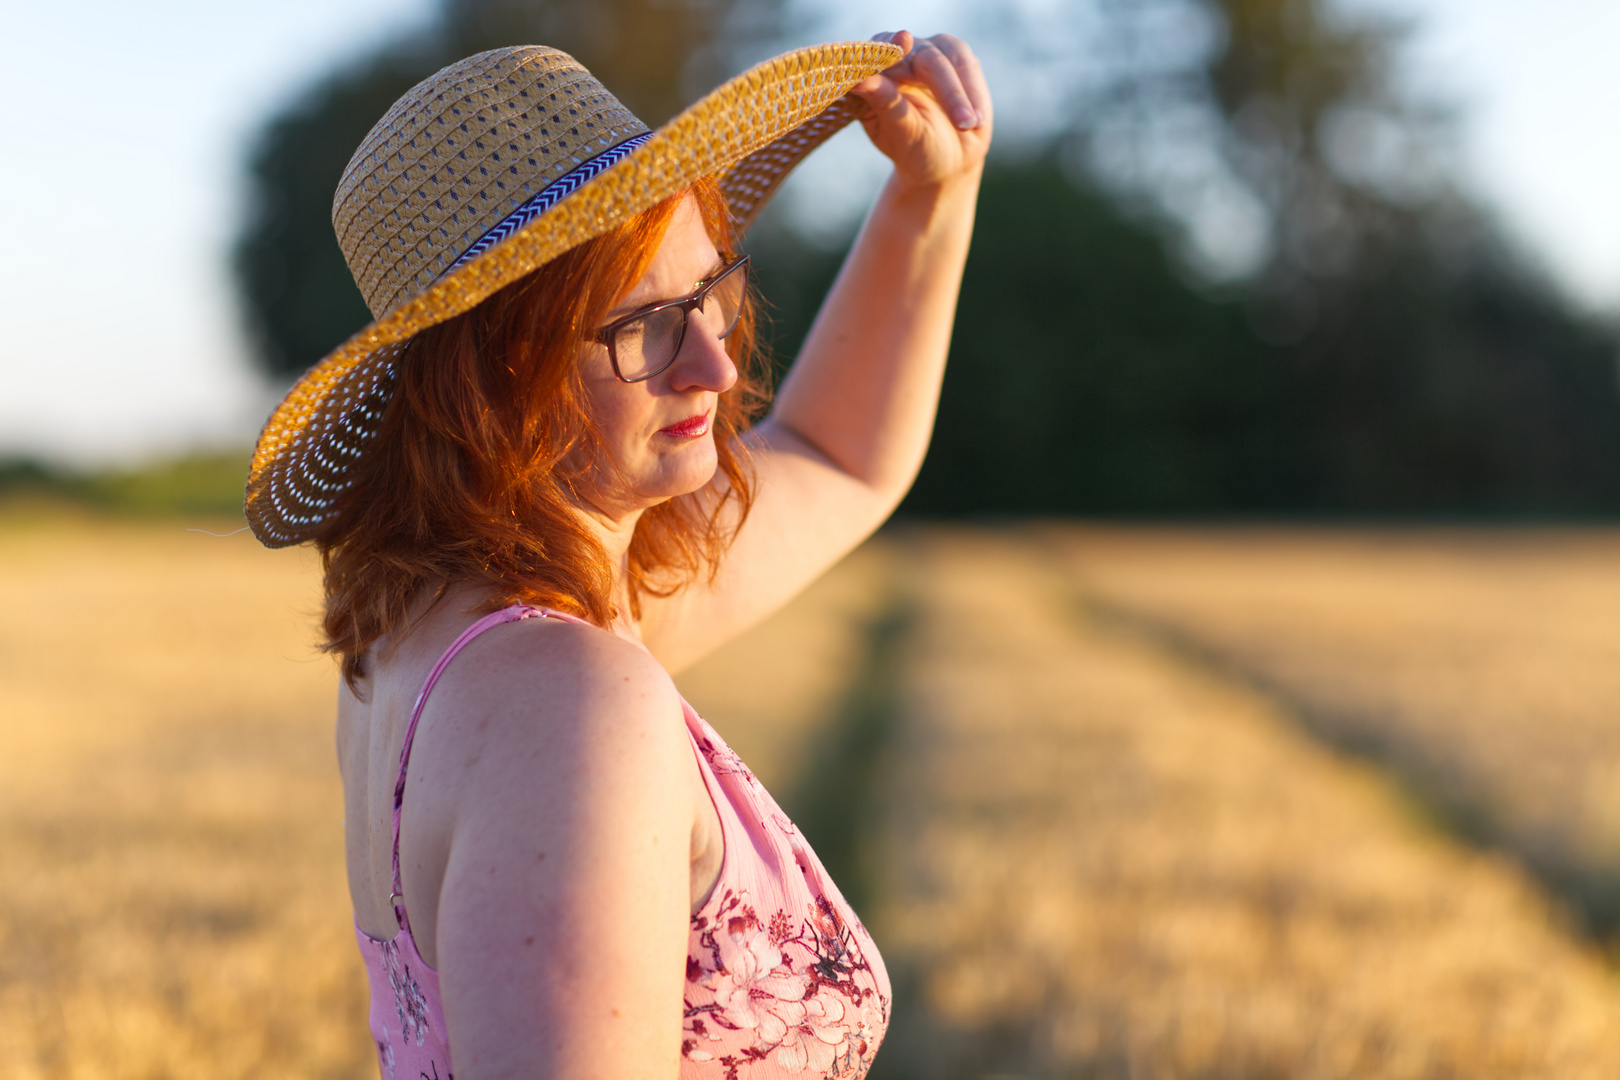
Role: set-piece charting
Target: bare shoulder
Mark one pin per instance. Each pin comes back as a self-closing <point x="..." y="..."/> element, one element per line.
<point x="557" y="659"/>
<point x="549" y="754"/>
<point x="562" y="864"/>
<point x="544" y="696"/>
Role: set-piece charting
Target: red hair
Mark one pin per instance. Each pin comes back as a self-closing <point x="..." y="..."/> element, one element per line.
<point x="472" y="473"/>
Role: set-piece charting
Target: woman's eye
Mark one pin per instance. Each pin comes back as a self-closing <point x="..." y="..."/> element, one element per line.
<point x="631" y="333"/>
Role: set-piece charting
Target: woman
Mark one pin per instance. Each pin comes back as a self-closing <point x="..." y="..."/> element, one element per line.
<point x="537" y="492"/>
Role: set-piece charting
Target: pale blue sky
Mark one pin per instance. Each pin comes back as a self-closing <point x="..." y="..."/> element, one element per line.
<point x="125" y="132"/>
<point x="1536" y="83"/>
<point x="128" y="123"/>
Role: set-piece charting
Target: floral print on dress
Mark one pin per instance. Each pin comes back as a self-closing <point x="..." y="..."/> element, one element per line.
<point x="792" y="990"/>
<point x="723" y="761"/>
<point x="409" y="1001"/>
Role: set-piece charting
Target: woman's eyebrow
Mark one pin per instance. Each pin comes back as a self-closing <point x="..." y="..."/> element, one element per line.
<point x="622" y="310"/>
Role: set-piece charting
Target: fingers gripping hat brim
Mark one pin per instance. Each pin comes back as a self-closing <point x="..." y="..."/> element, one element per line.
<point x="749" y="133"/>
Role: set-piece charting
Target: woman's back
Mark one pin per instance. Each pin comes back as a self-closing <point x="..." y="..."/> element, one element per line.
<point x="779" y="975"/>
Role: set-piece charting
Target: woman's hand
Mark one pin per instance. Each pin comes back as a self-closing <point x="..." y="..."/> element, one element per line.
<point x="930" y="114"/>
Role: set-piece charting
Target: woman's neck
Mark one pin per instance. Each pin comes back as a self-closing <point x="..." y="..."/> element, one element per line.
<point x="614" y="532"/>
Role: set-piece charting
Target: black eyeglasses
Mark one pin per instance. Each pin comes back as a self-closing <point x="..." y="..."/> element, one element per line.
<point x="645" y="342"/>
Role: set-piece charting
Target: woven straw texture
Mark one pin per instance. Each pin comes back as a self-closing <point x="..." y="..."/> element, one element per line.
<point x="461" y="151"/>
<point x="458" y="153"/>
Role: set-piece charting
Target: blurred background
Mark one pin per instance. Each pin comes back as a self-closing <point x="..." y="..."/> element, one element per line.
<point x="1237" y="695"/>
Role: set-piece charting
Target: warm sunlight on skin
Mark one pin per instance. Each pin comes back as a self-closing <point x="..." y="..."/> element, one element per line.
<point x="559" y="754"/>
<point x="651" y="462"/>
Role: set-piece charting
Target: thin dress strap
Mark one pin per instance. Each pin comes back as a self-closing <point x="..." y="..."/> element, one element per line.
<point x="505" y="615"/>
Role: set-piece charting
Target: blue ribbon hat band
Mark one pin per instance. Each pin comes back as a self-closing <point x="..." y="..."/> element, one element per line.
<point x="548" y="197"/>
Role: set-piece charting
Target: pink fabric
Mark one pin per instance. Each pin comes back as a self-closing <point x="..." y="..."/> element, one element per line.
<point x="782" y="980"/>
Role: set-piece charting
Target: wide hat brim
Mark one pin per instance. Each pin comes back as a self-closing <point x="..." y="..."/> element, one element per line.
<point x="749" y="133"/>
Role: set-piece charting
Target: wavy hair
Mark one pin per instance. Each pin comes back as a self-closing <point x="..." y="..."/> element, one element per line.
<point x="473" y="472"/>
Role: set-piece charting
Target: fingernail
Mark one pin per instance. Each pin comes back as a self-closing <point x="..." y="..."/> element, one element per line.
<point x="966" y="118"/>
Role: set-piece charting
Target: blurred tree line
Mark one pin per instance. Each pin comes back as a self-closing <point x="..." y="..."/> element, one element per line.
<point x="1372" y="347"/>
<point x="205" y="484"/>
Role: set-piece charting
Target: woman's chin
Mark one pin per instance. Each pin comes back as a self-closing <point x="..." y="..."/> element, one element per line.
<point x="696" y="472"/>
<point x="680" y="473"/>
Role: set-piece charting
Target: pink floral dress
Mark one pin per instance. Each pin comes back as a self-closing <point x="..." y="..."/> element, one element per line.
<point x="782" y="980"/>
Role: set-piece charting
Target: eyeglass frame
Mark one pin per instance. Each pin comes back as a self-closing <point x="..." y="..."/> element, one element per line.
<point x="605" y="335"/>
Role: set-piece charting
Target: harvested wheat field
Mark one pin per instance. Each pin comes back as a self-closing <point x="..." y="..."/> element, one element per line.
<point x="173" y="901"/>
<point x="1086" y="850"/>
<point x="1100" y="860"/>
<point x="1481" y="666"/>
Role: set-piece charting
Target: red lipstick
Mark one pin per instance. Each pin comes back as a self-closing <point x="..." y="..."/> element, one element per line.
<point x="692" y="427"/>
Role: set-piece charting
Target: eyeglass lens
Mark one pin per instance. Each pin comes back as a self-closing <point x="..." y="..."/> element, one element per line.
<point x="643" y="347"/>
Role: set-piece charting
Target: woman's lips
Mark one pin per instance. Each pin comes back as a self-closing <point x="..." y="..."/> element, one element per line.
<point x="691" y="428"/>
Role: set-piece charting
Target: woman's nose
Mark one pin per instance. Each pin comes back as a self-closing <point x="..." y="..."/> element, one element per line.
<point x="703" y="363"/>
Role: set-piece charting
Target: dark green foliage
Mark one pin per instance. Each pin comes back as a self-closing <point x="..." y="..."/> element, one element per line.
<point x="791" y="277"/>
<point x="1468" y="389"/>
<point x="201" y="483"/>
<point x="1085" y="376"/>
<point x="297" y="294"/>
<point x="24" y="474"/>
<point x="655" y="55"/>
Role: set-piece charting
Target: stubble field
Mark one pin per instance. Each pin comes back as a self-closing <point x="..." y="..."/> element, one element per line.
<point x="1116" y="802"/>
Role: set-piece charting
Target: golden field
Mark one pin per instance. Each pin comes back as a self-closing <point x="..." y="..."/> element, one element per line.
<point x="1110" y="828"/>
<point x="173" y="900"/>
<point x="1483" y="667"/>
<point x="1102" y="860"/>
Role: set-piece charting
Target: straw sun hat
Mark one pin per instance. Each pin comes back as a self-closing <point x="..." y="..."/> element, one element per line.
<point x="488" y="169"/>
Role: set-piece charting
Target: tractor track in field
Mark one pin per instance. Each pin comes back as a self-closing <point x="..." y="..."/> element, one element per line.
<point x="1088" y="854"/>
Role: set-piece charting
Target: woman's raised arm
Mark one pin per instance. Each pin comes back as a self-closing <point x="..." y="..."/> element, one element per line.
<point x="852" y="420"/>
<point x="863" y="392"/>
